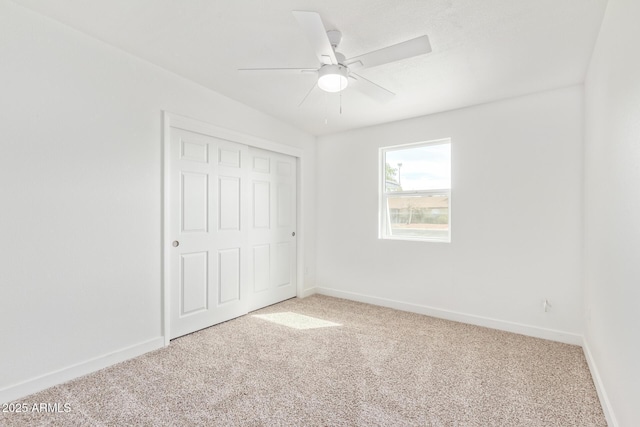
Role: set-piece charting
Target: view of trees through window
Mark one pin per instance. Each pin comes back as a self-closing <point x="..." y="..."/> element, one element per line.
<point x="417" y="183"/>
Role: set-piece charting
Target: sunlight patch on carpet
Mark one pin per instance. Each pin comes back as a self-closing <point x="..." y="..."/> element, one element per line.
<point x="295" y="320"/>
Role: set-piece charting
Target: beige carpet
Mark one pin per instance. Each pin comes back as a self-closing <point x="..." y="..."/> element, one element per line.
<point x="341" y="363"/>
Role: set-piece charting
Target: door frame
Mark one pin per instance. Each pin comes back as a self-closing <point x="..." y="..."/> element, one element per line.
<point x="170" y="120"/>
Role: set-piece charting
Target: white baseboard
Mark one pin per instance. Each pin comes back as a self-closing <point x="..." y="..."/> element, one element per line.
<point x="51" y="379"/>
<point x="519" y="328"/>
<point x="308" y="292"/>
<point x="597" y="380"/>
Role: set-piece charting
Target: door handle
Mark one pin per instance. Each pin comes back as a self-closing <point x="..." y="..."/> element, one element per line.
<point x="293" y="234"/>
<point x="175" y="244"/>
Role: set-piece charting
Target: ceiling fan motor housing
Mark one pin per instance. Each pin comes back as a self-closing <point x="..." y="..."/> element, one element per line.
<point x="333" y="78"/>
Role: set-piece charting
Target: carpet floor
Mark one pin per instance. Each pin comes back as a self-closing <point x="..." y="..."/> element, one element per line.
<point x="323" y="361"/>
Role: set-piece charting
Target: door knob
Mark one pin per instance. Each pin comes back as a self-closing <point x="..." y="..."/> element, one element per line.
<point x="175" y="243"/>
<point x="293" y="234"/>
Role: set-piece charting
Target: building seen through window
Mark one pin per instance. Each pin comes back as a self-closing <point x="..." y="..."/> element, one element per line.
<point x="416" y="191"/>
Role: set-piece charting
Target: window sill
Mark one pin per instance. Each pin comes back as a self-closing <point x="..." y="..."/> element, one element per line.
<point x="417" y="239"/>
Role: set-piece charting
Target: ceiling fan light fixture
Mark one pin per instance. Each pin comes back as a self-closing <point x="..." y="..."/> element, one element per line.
<point x="333" y="78"/>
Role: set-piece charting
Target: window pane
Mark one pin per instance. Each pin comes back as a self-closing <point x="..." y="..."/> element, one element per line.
<point x="418" y="168"/>
<point x="425" y="216"/>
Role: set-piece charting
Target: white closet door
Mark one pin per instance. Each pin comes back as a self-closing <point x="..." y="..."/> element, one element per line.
<point x="272" y="228"/>
<point x="208" y="231"/>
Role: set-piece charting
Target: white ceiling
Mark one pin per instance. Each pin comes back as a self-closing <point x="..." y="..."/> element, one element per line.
<point x="483" y="50"/>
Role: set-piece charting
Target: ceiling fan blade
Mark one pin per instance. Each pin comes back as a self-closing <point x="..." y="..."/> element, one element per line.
<point x="277" y="70"/>
<point x="371" y="89"/>
<point x="312" y="25"/>
<point x="315" y="85"/>
<point x="408" y="49"/>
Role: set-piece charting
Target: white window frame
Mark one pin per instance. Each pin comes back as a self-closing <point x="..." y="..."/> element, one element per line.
<point x="384" y="227"/>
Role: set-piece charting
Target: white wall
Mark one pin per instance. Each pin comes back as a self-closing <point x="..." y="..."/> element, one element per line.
<point x="612" y="211"/>
<point x="80" y="194"/>
<point x="516" y="218"/>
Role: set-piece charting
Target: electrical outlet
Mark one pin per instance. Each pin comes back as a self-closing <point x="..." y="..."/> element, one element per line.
<point x="546" y="306"/>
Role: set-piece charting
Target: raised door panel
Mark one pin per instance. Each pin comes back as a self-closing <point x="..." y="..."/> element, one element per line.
<point x="283" y="264"/>
<point x="194" y="202"/>
<point x="229" y="275"/>
<point x="229" y="203"/>
<point x="284" y="168"/>
<point x="193" y="282"/>
<point x="229" y="157"/>
<point x="261" y="164"/>
<point x="261" y="267"/>
<point x="261" y="204"/>
<point x="195" y="151"/>
<point x="284" y="198"/>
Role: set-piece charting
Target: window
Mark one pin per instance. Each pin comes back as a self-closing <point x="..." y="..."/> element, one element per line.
<point x="415" y="191"/>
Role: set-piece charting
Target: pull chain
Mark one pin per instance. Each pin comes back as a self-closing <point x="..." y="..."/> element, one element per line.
<point x="326" y="121"/>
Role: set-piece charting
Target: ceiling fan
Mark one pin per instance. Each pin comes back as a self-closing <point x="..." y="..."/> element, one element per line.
<point x="336" y="71"/>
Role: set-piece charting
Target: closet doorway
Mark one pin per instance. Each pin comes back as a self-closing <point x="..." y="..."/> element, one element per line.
<point x="230" y="243"/>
